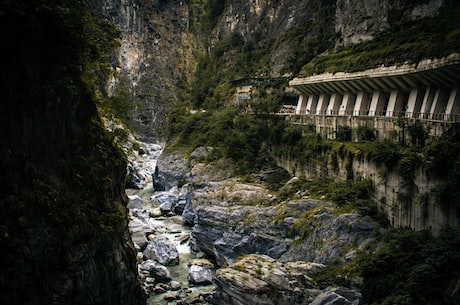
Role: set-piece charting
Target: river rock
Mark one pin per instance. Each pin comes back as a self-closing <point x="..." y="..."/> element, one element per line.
<point x="172" y="168"/>
<point x="139" y="230"/>
<point x="135" y="202"/>
<point x="199" y="275"/>
<point x="338" y="296"/>
<point x="166" y="200"/>
<point x="159" y="272"/>
<point x="163" y="250"/>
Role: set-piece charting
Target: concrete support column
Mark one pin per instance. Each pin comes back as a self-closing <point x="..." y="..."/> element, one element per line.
<point x="362" y="104"/>
<point x="379" y="103"/>
<point x="414" y="103"/>
<point x="427" y="101"/>
<point x="438" y="108"/>
<point x="314" y="104"/>
<point x="348" y="103"/>
<point x="396" y="103"/>
<point x="301" y="105"/>
<point x="323" y="103"/>
<point x="453" y="105"/>
<point x="312" y="101"/>
<point x="334" y="104"/>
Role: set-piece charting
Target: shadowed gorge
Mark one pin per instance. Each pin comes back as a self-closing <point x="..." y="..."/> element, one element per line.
<point x="230" y="152"/>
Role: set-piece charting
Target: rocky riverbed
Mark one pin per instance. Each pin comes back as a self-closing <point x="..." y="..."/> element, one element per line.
<point x="264" y="249"/>
<point x="170" y="272"/>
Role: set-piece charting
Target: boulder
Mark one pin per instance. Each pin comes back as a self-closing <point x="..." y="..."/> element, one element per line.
<point x="159" y="272"/>
<point x="171" y="168"/>
<point x="338" y="296"/>
<point x="163" y="250"/>
<point x="199" y="275"/>
<point x="262" y="280"/>
<point x="166" y="200"/>
<point x="135" y="202"/>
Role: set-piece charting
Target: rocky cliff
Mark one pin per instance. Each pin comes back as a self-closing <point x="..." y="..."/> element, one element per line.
<point x="64" y="234"/>
<point x="156" y="59"/>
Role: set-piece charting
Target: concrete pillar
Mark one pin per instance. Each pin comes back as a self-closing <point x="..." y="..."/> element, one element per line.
<point x="362" y="104"/>
<point x="396" y="103"/>
<point x="427" y="101"/>
<point x="323" y="103"/>
<point x="348" y="103"/>
<point x="453" y="105"/>
<point x="314" y="104"/>
<point x="414" y="102"/>
<point x="312" y="100"/>
<point x="439" y="105"/>
<point x="334" y="104"/>
<point x="379" y="103"/>
<point x="301" y="105"/>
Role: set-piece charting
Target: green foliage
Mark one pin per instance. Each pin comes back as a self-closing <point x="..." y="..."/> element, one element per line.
<point x="236" y="135"/>
<point x="365" y="133"/>
<point x="417" y="133"/>
<point x="410" y="267"/>
<point x="403" y="267"/>
<point x="442" y="155"/>
<point x="344" y="133"/>
<point x="429" y="38"/>
<point x="336" y="275"/>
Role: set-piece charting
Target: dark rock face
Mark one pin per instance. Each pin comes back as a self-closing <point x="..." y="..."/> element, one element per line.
<point x="64" y="228"/>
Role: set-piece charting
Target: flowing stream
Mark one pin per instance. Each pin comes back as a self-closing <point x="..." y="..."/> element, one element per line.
<point x="176" y="231"/>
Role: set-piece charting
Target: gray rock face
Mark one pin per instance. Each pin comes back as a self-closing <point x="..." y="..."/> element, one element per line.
<point x="171" y="169"/>
<point x="226" y="229"/>
<point x="188" y="214"/>
<point x="260" y="279"/>
<point x="360" y="19"/>
<point x="338" y="296"/>
<point x="161" y="249"/>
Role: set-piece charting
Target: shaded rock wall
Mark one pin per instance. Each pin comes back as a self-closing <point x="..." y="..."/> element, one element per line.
<point x="359" y="20"/>
<point x="63" y="233"/>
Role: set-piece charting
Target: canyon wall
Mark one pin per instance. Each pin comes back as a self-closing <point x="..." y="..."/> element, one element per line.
<point x="64" y="230"/>
<point x="413" y="204"/>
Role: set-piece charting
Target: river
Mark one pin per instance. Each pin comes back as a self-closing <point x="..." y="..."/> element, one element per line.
<point x="173" y="228"/>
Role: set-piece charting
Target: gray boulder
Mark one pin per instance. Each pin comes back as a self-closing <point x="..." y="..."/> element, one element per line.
<point x="199" y="275"/>
<point x="163" y="250"/>
<point x="135" y="202"/>
<point x="159" y="272"/>
<point x="338" y="296"/>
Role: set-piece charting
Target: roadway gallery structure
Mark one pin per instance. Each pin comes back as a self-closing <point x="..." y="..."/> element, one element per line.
<point x="428" y="92"/>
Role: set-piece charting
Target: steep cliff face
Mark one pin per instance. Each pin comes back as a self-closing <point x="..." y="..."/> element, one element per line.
<point x="157" y="57"/>
<point x="360" y="20"/>
<point x="63" y="233"/>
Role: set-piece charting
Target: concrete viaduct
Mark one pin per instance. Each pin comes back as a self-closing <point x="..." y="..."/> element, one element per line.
<point x="428" y="91"/>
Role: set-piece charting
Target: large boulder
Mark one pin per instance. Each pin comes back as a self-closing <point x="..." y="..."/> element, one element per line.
<point x="199" y="275"/>
<point x="159" y="272"/>
<point x="172" y="168"/>
<point x="261" y="280"/>
<point x="135" y="202"/>
<point x="162" y="250"/>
